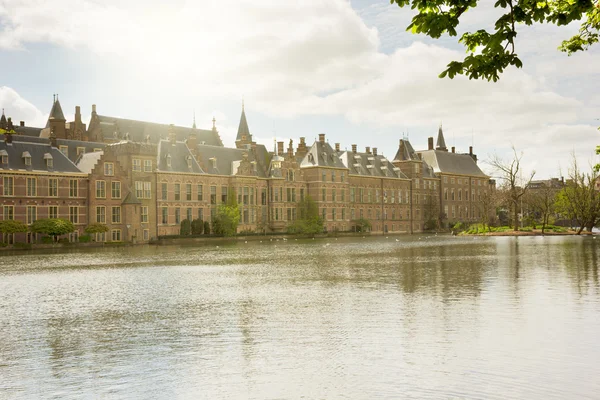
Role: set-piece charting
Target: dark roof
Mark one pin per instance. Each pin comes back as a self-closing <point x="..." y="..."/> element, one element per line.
<point x="37" y="151"/>
<point x="243" y="127"/>
<point x="321" y="154"/>
<point x="370" y="165"/>
<point x="451" y="163"/>
<point x="405" y="151"/>
<point x="27" y="131"/>
<point x="56" y="113"/>
<point x="441" y="143"/>
<point x="180" y="154"/>
<point x="131" y="198"/>
<point x="74" y="144"/>
<point x="227" y="159"/>
<point x="138" y="130"/>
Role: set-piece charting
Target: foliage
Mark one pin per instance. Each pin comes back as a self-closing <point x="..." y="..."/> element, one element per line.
<point x="12" y="226"/>
<point x="310" y="222"/>
<point x="481" y="228"/>
<point x="197" y="226"/>
<point x="185" y="227"/>
<point x="361" y="225"/>
<point x="542" y="201"/>
<point x="85" y="239"/>
<point x="514" y="186"/>
<point x="96" y="227"/>
<point x="228" y="216"/>
<point x="47" y="239"/>
<point x="52" y="226"/>
<point x="489" y="52"/>
<point x="206" y="228"/>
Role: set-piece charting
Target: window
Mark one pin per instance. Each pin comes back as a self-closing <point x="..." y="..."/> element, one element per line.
<point x="53" y="187"/>
<point x="333" y="195"/>
<point x="116" y="235"/>
<point x="64" y="150"/>
<point x="101" y="214"/>
<point x="302" y="194"/>
<point x="147" y="165"/>
<point x="9" y="186"/>
<point x="452" y="195"/>
<point x="4" y="157"/>
<point x="177" y="215"/>
<point x="199" y="192"/>
<point x="31" y="187"/>
<point x="9" y="212"/>
<point x="49" y="162"/>
<point x="137" y="164"/>
<point x="147" y="190"/>
<point x="139" y="190"/>
<point x="445" y="179"/>
<point x="370" y="196"/>
<point x="452" y="181"/>
<point x="342" y="177"/>
<point x="376" y="195"/>
<point x="333" y="214"/>
<point x="201" y="214"/>
<point x="52" y="211"/>
<point x="188" y="214"/>
<point x="294" y="195"/>
<point x="343" y="214"/>
<point x="324" y="214"/>
<point x="323" y="176"/>
<point x="445" y="194"/>
<point x="74" y="214"/>
<point x="144" y="214"/>
<point x="109" y="169"/>
<point x="116" y="215"/>
<point x="80" y="151"/>
<point x="213" y="195"/>
<point x="332" y="176"/>
<point x="164" y="191"/>
<point x="416" y="184"/>
<point x="165" y="215"/>
<point x="246" y="195"/>
<point x="224" y="194"/>
<point x="73" y="188"/>
<point x="146" y="234"/>
<point x="115" y="190"/>
<point x="188" y="192"/>
<point x="178" y="191"/>
<point x="352" y="194"/>
<point x="100" y="189"/>
<point x="324" y="194"/>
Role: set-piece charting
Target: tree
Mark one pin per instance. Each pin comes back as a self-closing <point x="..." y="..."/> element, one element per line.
<point x="228" y="216"/>
<point x="96" y="227"/>
<point x="362" y="225"/>
<point x="514" y="185"/>
<point x="431" y="211"/>
<point x="543" y="201"/>
<point x="487" y="207"/>
<point x="579" y="200"/>
<point x="11" y="226"/>
<point x="310" y="222"/>
<point x="52" y="227"/>
<point x="185" y="227"/>
<point x="197" y="226"/>
<point x="490" y="52"/>
<point x="206" y="228"/>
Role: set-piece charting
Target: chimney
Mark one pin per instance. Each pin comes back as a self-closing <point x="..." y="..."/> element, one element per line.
<point x="374" y="151"/>
<point x="430" y="143"/>
<point x="53" y="138"/>
<point x="453" y="149"/>
<point x="93" y="109"/>
<point x="301" y="151"/>
<point x="8" y="138"/>
<point x="280" y="148"/>
<point x="368" y="150"/>
<point x="337" y="147"/>
<point x="470" y="150"/>
<point x="77" y="114"/>
<point x="401" y="148"/>
<point x="172" y="136"/>
<point x="10" y="124"/>
<point x="192" y="142"/>
<point x="291" y="149"/>
<point x="322" y="137"/>
<point x="354" y="148"/>
<point x="21" y="123"/>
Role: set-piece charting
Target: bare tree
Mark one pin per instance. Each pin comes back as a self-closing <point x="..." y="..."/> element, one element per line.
<point x="487" y="207"/>
<point x="510" y="172"/>
<point x="542" y="201"/>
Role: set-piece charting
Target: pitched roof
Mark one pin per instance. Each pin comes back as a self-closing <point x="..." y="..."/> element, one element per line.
<point x="56" y="112"/>
<point x="38" y="153"/>
<point x="370" y="165"/>
<point x="131" y="198"/>
<point x="88" y="161"/>
<point x="321" y="154"/>
<point x="138" y="130"/>
<point x="405" y="151"/>
<point x="227" y="159"/>
<point x="243" y="127"/>
<point x="441" y="143"/>
<point x="451" y="163"/>
<point x="180" y="154"/>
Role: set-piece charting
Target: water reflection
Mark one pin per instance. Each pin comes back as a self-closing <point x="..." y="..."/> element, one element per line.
<point x="417" y="317"/>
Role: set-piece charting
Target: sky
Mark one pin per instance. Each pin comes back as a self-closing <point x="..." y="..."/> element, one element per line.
<point x="348" y="69"/>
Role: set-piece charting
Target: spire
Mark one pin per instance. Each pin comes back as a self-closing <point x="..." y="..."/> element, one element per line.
<point x="3" y="122"/>
<point x="194" y="125"/>
<point x="214" y="122"/>
<point x="441" y="143"/>
<point x="56" y="112"/>
<point x="243" y="134"/>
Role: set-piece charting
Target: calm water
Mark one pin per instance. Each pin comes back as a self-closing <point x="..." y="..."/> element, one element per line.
<point x="421" y="317"/>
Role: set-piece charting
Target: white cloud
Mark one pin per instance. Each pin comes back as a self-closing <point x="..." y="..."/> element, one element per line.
<point x="20" y="109"/>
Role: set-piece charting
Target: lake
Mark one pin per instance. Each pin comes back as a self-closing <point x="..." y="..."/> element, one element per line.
<point x="423" y="317"/>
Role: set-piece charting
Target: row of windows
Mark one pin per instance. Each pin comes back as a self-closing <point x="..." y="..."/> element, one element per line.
<point x="116" y="214"/>
<point x="245" y="195"/>
<point x="115" y="189"/>
<point x="460" y="196"/>
<point x="460" y="181"/>
<point x="426" y="184"/>
<point x="137" y="165"/>
<point x="31" y="185"/>
<point x="333" y="176"/>
<point x="361" y="195"/>
<point x="32" y="213"/>
<point x="463" y="212"/>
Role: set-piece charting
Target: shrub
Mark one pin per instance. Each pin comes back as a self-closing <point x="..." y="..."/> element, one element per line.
<point x="20" y="245"/>
<point x="47" y="239"/>
<point x="206" y="228"/>
<point x="197" y="226"/>
<point x="185" y="227"/>
<point x="63" y="240"/>
<point x="85" y="239"/>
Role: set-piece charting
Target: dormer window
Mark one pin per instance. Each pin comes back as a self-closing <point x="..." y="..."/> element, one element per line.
<point x="169" y="160"/>
<point x="4" y="156"/>
<point x="189" y="162"/>
<point x="213" y="162"/>
<point x="311" y="158"/>
<point x="27" y="158"/>
<point x="49" y="160"/>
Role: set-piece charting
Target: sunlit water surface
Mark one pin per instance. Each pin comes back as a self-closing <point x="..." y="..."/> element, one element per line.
<point x="404" y="317"/>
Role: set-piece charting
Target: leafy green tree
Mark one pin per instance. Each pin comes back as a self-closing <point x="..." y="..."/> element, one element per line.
<point x="185" y="228"/>
<point x="228" y="216"/>
<point x="12" y="226"/>
<point x="197" y="226"/>
<point x="52" y="227"/>
<point x="96" y="227"/>
<point x="490" y="51"/>
<point x="206" y="228"/>
<point x="362" y="225"/>
<point x="310" y="222"/>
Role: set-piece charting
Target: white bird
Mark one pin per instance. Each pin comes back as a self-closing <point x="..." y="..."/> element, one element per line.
<point x="387" y="237"/>
<point x="397" y="240"/>
<point x="217" y="247"/>
<point x="246" y="241"/>
<point x="261" y="241"/>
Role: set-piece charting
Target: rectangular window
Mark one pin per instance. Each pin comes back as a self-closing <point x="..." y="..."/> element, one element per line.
<point x="147" y="190"/>
<point x="188" y="214"/>
<point x="342" y="178"/>
<point x="64" y="150"/>
<point x="324" y="194"/>
<point x="177" y="191"/>
<point x="146" y="234"/>
<point x="201" y="214"/>
<point x="352" y="194"/>
<point x="333" y="195"/>
<point x="73" y="188"/>
<point x="109" y="169"/>
<point x="333" y="212"/>
<point x="80" y="151"/>
<point x="188" y="191"/>
<point x="323" y="176"/>
<point x="74" y="214"/>
<point x="343" y="192"/>
<point x="144" y="214"/>
<point x="115" y="190"/>
<point x="9" y="186"/>
<point x="332" y="176"/>
<point x="294" y="195"/>
<point x="246" y="195"/>
<point x="116" y="235"/>
<point x="223" y="194"/>
<point x="370" y="196"/>
<point x="52" y="211"/>
<point x="101" y="214"/>
<point x="31" y="187"/>
<point x="376" y="195"/>
<point x="31" y="214"/>
<point x="200" y="193"/>
<point x="302" y="194"/>
<point x="100" y="189"/>
<point x="139" y="190"/>
<point x="213" y="195"/>
<point x="147" y="165"/>
<point x="177" y="215"/>
<point x="164" y="191"/>
<point x="165" y="215"/>
<point x="116" y="215"/>
<point x="53" y="187"/>
<point x="137" y="164"/>
<point x="9" y="212"/>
